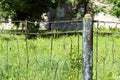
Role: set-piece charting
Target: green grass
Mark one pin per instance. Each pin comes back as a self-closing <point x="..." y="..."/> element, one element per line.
<point x="62" y="65"/>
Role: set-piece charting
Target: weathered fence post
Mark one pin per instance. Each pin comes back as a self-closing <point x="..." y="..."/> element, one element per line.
<point x="87" y="47"/>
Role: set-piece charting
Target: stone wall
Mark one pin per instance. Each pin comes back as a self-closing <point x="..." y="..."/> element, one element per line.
<point x="62" y="26"/>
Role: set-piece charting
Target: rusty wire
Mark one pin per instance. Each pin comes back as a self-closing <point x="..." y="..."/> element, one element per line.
<point x="52" y="32"/>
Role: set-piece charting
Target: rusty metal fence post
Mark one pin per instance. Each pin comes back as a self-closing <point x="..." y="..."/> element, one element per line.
<point x="87" y="65"/>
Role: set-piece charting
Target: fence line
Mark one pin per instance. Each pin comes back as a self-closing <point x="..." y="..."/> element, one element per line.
<point x="57" y="68"/>
<point x="56" y="22"/>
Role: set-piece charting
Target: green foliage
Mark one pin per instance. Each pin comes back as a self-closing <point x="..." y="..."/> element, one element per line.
<point x="26" y="9"/>
<point x="103" y="28"/>
<point x="116" y="8"/>
<point x="116" y="11"/>
<point x="75" y="62"/>
<point x="98" y="9"/>
<point x="39" y="58"/>
<point x="114" y="29"/>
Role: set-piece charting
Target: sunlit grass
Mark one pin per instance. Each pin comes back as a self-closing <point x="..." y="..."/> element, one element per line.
<point x="41" y="66"/>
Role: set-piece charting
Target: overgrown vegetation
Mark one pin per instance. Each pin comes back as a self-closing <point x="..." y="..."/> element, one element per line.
<point x="56" y="58"/>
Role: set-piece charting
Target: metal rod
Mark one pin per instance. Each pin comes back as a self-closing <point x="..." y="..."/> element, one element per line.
<point x="113" y="56"/>
<point x="56" y="69"/>
<point x="64" y="47"/>
<point x="7" y="65"/>
<point x="97" y="51"/>
<point x="27" y="55"/>
<point x="18" y="60"/>
<point x="78" y="65"/>
<point x="71" y="46"/>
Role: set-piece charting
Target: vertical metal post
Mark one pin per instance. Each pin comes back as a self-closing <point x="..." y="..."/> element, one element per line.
<point x="96" y="78"/>
<point x="7" y="56"/>
<point x="27" y="55"/>
<point x="87" y="47"/>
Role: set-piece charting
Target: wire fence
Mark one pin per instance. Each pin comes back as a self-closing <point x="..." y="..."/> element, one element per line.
<point x="59" y="56"/>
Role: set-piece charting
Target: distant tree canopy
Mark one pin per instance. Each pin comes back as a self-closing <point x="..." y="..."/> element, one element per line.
<point x="116" y="7"/>
<point x="24" y="9"/>
<point x="33" y="9"/>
